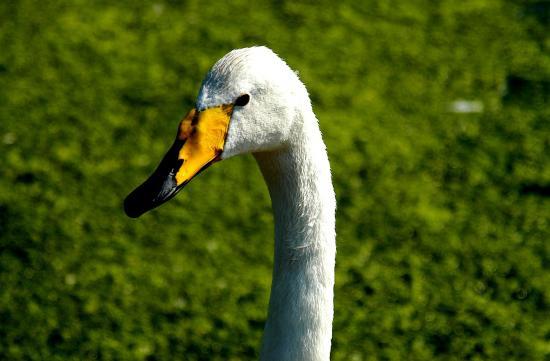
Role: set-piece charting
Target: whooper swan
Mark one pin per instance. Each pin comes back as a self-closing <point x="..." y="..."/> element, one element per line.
<point x="252" y="102"/>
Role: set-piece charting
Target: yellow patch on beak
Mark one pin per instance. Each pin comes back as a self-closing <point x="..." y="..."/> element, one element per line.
<point x="204" y="135"/>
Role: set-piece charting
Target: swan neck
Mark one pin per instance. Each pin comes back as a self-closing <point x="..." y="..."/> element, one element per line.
<point x="299" y="324"/>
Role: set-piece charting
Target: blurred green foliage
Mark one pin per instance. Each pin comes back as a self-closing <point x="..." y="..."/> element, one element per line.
<point x="443" y="219"/>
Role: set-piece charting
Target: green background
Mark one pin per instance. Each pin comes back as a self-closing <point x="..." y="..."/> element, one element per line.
<point x="443" y="218"/>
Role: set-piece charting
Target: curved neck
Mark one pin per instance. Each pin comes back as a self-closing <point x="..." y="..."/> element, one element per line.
<point x="299" y="324"/>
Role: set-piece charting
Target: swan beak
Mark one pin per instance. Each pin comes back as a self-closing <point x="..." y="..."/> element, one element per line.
<point x="199" y="143"/>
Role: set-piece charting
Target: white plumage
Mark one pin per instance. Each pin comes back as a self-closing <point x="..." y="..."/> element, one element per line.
<point x="279" y="127"/>
<point x="252" y="102"/>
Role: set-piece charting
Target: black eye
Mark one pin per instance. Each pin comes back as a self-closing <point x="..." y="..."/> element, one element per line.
<point x="242" y="100"/>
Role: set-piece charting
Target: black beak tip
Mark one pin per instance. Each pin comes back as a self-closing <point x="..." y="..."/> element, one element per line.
<point x="157" y="189"/>
<point x="131" y="209"/>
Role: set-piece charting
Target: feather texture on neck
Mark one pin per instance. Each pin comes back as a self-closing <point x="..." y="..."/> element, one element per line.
<point x="299" y="325"/>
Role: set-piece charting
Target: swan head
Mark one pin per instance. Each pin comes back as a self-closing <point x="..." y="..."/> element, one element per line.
<point x="250" y="101"/>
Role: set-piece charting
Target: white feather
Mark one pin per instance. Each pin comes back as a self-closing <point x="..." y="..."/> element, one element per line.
<point x="279" y="127"/>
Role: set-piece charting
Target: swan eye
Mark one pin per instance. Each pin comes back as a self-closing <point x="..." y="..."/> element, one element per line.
<point x="242" y="100"/>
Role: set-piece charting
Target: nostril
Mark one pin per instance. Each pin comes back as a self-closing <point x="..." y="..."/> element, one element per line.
<point x="178" y="165"/>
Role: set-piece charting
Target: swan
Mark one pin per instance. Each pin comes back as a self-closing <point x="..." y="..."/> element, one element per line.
<point x="252" y="102"/>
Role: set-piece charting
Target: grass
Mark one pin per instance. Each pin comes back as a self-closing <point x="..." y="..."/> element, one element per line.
<point x="443" y="217"/>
